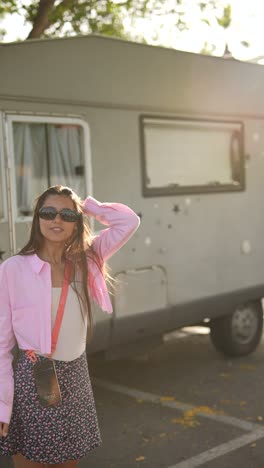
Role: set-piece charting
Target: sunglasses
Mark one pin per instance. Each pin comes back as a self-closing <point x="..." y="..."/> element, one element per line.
<point x="49" y="213"/>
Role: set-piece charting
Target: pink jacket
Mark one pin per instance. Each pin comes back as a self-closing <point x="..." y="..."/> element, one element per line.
<point x="25" y="292"/>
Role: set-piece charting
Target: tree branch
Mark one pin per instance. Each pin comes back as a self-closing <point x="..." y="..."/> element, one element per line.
<point x="42" y="21"/>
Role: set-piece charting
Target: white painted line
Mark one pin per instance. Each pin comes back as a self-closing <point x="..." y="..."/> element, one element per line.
<point x="220" y="450"/>
<point x="152" y="398"/>
<point x="256" y="430"/>
<point x="221" y="418"/>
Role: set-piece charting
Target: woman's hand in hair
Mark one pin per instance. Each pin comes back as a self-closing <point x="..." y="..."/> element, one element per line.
<point x="4" y="428"/>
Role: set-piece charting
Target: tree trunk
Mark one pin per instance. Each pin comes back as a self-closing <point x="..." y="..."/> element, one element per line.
<point x="42" y="21"/>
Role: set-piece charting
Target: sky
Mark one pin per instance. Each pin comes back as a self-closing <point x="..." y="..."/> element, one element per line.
<point x="247" y="25"/>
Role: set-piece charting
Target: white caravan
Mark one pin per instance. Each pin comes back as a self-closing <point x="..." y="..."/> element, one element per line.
<point x="177" y="136"/>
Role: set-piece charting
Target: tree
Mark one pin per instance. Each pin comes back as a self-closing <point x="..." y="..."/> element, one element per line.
<point x="51" y="18"/>
<point x="120" y="18"/>
<point x="175" y="19"/>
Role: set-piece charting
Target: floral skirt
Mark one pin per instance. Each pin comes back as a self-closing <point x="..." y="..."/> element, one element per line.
<point x="67" y="431"/>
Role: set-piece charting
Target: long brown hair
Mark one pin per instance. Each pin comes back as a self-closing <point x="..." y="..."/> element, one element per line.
<point x="76" y="250"/>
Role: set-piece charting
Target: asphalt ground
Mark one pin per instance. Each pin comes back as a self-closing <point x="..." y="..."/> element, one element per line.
<point x="181" y="405"/>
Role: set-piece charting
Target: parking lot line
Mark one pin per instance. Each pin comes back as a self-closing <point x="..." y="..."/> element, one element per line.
<point x="158" y="399"/>
<point x="255" y="431"/>
<point x="220" y="450"/>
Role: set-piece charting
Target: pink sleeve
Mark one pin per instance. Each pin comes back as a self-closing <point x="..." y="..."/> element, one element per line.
<point x="122" y="222"/>
<point x="7" y="343"/>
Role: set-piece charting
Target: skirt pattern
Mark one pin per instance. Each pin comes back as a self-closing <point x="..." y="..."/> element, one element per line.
<point x="67" y="431"/>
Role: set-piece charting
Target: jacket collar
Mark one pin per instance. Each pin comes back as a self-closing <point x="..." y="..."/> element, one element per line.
<point x="36" y="263"/>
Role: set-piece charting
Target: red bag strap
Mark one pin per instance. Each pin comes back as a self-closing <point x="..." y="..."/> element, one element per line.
<point x="57" y="325"/>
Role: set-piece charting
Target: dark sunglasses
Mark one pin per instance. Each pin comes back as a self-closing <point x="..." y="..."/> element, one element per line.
<point x="50" y="213"/>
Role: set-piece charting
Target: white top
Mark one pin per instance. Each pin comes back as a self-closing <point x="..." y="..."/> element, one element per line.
<point x="72" y="336"/>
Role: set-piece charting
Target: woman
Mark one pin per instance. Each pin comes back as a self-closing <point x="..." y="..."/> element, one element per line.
<point x="45" y="290"/>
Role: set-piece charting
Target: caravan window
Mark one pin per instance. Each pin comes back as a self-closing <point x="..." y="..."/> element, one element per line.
<point x="46" y="154"/>
<point x="191" y="156"/>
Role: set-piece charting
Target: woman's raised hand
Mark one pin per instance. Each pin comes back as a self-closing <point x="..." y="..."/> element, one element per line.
<point x="4" y="427"/>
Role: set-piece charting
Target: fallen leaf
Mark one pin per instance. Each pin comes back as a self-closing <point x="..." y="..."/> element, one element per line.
<point x="247" y="367"/>
<point x="167" y="398"/>
<point x="140" y="458"/>
<point x="188" y="418"/>
<point x="253" y="445"/>
<point x="202" y="409"/>
<point x="260" y="418"/>
<point x="186" y="422"/>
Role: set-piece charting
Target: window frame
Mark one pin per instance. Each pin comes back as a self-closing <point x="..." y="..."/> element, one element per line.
<point x="44" y="119"/>
<point x="3" y="193"/>
<point x="191" y="189"/>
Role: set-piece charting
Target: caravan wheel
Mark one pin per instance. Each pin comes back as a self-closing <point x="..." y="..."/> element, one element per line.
<point x="239" y="333"/>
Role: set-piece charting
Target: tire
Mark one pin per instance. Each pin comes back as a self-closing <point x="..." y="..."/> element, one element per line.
<point x="239" y="333"/>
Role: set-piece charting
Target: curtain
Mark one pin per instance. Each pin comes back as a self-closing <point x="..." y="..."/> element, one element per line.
<point x="30" y="164"/>
<point x="46" y="154"/>
<point x="66" y="161"/>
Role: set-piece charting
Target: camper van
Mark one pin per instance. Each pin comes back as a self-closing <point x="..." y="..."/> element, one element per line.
<point x="178" y="137"/>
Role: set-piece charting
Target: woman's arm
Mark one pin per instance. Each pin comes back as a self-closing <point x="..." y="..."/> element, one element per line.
<point x="7" y="343"/>
<point x="122" y="222"/>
